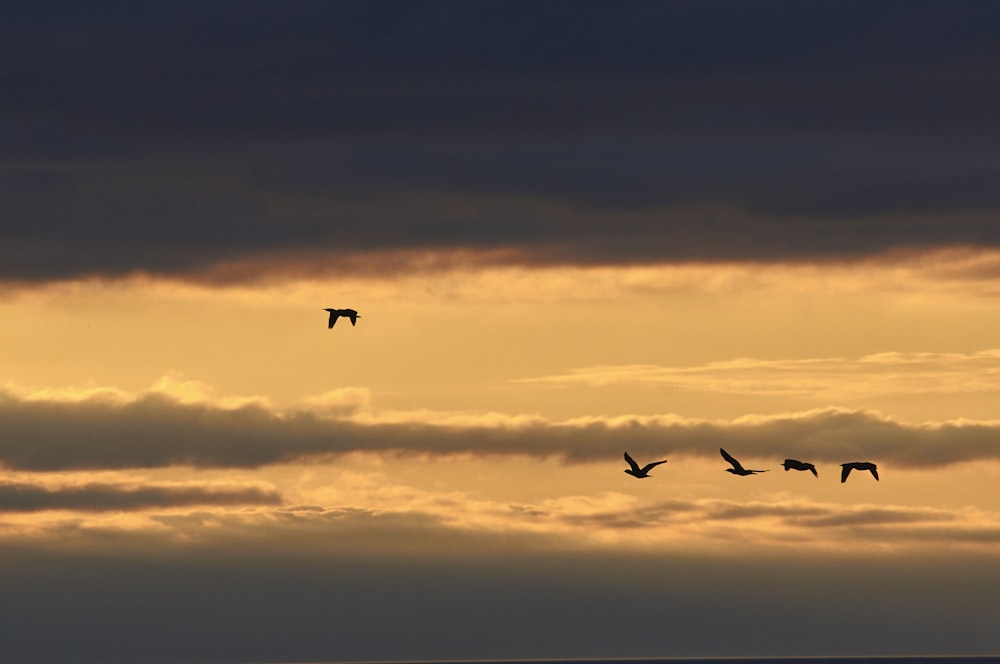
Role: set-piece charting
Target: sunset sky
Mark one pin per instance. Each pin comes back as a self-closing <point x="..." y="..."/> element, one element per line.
<point x="571" y="229"/>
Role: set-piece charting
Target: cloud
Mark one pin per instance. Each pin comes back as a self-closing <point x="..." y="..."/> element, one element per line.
<point x="362" y="515"/>
<point x="453" y="594"/>
<point x="830" y="378"/>
<point x="152" y="430"/>
<point x="358" y="518"/>
<point x="202" y="143"/>
<point x="314" y="70"/>
<point x="423" y="564"/>
<point x="98" y="497"/>
<point x="775" y="522"/>
<point x="462" y="276"/>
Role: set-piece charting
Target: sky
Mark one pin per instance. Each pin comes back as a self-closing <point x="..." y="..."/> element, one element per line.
<point x="571" y="230"/>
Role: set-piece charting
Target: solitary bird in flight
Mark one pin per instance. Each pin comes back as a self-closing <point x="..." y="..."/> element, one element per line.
<point x="737" y="468"/>
<point x="347" y="313"/>
<point x="636" y="471"/>
<point x="792" y="464"/>
<point x="857" y="465"/>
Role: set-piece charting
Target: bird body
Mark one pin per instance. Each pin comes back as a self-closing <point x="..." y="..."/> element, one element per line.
<point x="857" y="465"/>
<point x="636" y="471"/>
<point x="347" y="313"/>
<point x="793" y="464"/>
<point x="737" y="468"/>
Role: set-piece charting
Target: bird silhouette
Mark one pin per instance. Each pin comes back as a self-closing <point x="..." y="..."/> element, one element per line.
<point x="857" y="465"/>
<point x="737" y="468"/>
<point x="636" y="471"/>
<point x="792" y="464"/>
<point x="347" y="313"/>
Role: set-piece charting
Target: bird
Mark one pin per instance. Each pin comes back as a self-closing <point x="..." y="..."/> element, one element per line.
<point x="857" y="465"/>
<point x="737" y="468"/>
<point x="348" y="313"/>
<point x="792" y="464"/>
<point x="636" y="471"/>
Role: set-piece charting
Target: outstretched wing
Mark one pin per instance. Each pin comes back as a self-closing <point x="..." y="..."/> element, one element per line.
<point x="631" y="462"/>
<point x="874" y="473"/>
<point x="354" y="319"/>
<point x="728" y="457"/>
<point x="844" y="472"/>
<point x="649" y="466"/>
<point x="812" y="469"/>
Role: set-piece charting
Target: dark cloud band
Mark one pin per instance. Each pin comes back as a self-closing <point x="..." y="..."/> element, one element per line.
<point x="215" y="599"/>
<point x="95" y="497"/>
<point x="173" y="137"/>
<point x="153" y="432"/>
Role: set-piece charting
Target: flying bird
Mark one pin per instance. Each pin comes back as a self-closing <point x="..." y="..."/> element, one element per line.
<point x="737" y="468"/>
<point x="857" y="465"/>
<point x="347" y="313"/>
<point x="636" y="471"/>
<point x="792" y="464"/>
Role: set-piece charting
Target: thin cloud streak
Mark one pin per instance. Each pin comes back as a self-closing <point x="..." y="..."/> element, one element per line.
<point x="510" y="275"/>
<point x="834" y="378"/>
<point x="761" y="522"/>
<point x="101" y="497"/>
<point x="517" y="273"/>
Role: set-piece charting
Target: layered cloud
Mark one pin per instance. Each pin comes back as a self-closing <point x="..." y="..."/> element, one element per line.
<point x="422" y="564"/>
<point x="154" y="430"/>
<point x="279" y="596"/>
<point x="363" y="513"/>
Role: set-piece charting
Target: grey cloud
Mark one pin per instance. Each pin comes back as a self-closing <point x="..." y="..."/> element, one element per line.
<point x="587" y="202"/>
<point x="877" y="517"/>
<point x="727" y="511"/>
<point x="172" y="137"/>
<point x="283" y="599"/>
<point x="639" y="517"/>
<point x="891" y="522"/>
<point x="154" y="431"/>
<point x="829" y="516"/>
<point x="988" y="536"/>
<point x="185" y="70"/>
<point x="97" y="497"/>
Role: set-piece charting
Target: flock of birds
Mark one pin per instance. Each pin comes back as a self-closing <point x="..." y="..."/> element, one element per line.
<point x="737" y="468"/>
<point x="635" y="471"/>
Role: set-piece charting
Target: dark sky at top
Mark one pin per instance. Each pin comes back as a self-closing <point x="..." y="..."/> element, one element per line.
<point x="171" y="136"/>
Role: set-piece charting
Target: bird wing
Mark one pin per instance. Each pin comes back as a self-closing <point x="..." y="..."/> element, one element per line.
<point x="631" y="462"/>
<point x="333" y="319"/>
<point x="812" y="469"/>
<point x="844" y="472"/>
<point x="649" y="466"/>
<point x="874" y="473"/>
<point x="354" y="319"/>
<point x="728" y="457"/>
